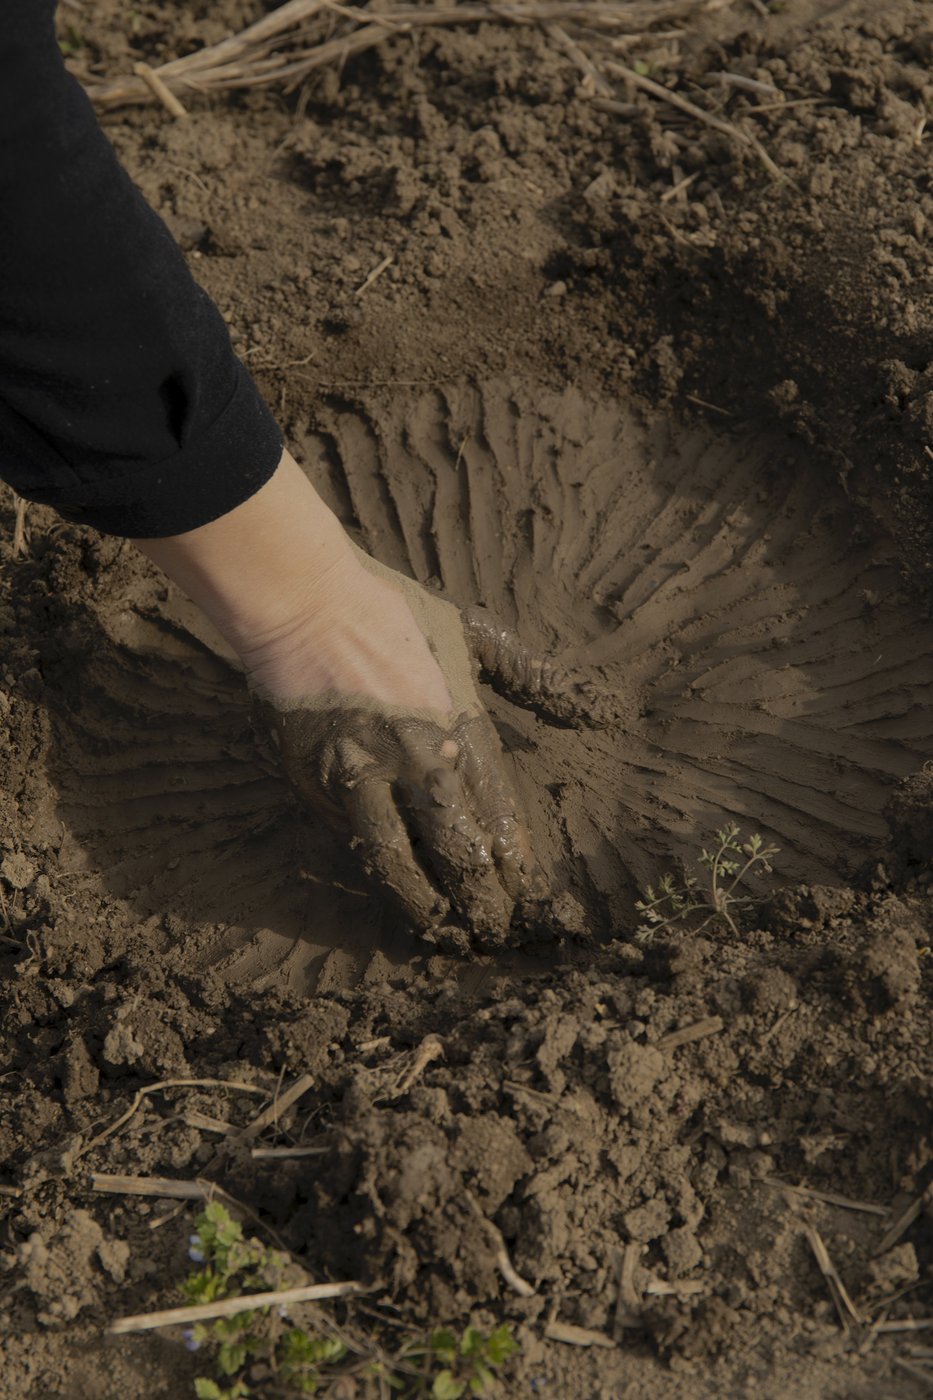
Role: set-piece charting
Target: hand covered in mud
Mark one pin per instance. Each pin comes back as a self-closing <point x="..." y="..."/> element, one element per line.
<point x="420" y="792"/>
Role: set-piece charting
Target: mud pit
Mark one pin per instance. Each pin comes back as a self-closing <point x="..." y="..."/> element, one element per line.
<point x="749" y="581"/>
<point x="753" y="634"/>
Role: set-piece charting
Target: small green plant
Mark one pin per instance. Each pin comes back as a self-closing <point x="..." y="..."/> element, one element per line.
<point x="258" y="1352"/>
<point x="288" y="1358"/>
<point x="687" y="902"/>
<point x="447" y="1369"/>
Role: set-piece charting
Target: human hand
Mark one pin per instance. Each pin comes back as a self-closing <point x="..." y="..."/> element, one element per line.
<point x="420" y="792"/>
<point x="368" y="684"/>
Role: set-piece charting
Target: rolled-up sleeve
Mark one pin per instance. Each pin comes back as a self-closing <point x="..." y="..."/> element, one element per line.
<point x="122" y="404"/>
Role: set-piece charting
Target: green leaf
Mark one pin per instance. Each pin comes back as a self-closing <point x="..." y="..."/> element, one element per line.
<point x="204" y="1286"/>
<point x="501" y="1345"/>
<point x="231" y="1357"/>
<point x="444" y="1344"/>
<point x="447" y="1387"/>
<point x="472" y="1342"/>
<point x="641" y="67"/>
<point x="206" y="1389"/>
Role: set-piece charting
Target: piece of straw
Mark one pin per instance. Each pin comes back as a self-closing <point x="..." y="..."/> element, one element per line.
<point x="229" y="1307"/>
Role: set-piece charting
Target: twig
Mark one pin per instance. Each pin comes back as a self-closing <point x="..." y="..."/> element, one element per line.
<point x="229" y="1307"/>
<point x="503" y="1262"/>
<point x="908" y="1324"/>
<point x="167" y="1187"/>
<point x="263" y="1154"/>
<point x="621" y="70"/>
<point x="787" y="106"/>
<point x="902" y="1224"/>
<point x="377" y="272"/>
<point x="830" y="1197"/>
<point x="514" y="1087"/>
<point x="628" y="1292"/>
<point x="849" y="1314"/>
<point x="593" y="80"/>
<point x="919" y="1373"/>
<point x="712" y="1025"/>
<point x="684" y="1288"/>
<point x="739" y="80"/>
<point x="358" y="16"/>
<point x="19" y="527"/>
<point x="704" y="403"/>
<point x="278" y="1106"/>
<point x="210" y="1125"/>
<point x="269" y="51"/>
<point x="577" y="1336"/>
<point x="14" y="1192"/>
<point x="617" y="109"/>
<point x="168" y="99"/>
<point x="431" y="1048"/>
<point x="156" y="1088"/>
<point x="680" y="187"/>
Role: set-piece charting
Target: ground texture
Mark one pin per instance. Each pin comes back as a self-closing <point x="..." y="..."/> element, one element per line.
<point x="686" y="442"/>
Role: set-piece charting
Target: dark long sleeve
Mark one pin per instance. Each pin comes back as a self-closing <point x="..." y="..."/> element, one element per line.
<point x="122" y="403"/>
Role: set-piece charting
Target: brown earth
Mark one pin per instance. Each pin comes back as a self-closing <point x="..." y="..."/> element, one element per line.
<point x="684" y="443"/>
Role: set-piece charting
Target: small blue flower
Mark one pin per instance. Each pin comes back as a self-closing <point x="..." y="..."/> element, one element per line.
<point x="191" y="1341"/>
<point x="195" y="1251"/>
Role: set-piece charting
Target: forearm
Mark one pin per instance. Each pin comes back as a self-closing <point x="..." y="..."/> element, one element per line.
<point x="261" y="570"/>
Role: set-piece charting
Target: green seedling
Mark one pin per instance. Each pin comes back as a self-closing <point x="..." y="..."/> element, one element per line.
<point x="448" y="1369"/>
<point x="688" y="903"/>
<point x="262" y="1339"/>
<point x="259" y="1352"/>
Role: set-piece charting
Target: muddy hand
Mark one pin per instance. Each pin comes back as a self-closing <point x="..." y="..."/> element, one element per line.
<point x="420" y="795"/>
<point x="425" y="806"/>
<point x="532" y="680"/>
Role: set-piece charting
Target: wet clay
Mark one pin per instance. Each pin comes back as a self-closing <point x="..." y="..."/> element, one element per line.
<point x="766" y="666"/>
<point x="763" y="663"/>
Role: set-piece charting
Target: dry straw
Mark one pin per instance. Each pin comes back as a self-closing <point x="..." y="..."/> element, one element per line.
<point x="301" y="36"/>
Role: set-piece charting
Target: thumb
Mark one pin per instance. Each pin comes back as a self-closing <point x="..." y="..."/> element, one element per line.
<point x="529" y="679"/>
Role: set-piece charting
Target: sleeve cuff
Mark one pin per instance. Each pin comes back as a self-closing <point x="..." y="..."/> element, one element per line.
<point x="201" y="482"/>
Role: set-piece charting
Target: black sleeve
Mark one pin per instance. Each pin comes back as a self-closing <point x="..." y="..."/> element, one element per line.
<point x="122" y="403"/>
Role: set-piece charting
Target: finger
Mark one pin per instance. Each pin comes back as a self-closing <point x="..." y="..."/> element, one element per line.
<point x="528" y="678"/>
<point x="384" y="851"/>
<point x="457" y="850"/>
<point x="495" y="805"/>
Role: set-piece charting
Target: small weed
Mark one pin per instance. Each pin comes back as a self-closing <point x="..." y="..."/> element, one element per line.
<point x="447" y="1369"/>
<point x="289" y="1360"/>
<point x="258" y="1352"/>
<point x="687" y="902"/>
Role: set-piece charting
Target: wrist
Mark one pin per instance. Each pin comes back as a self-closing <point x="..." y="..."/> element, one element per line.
<point x="259" y="571"/>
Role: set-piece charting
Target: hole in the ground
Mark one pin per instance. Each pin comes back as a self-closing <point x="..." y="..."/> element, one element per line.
<point x="780" y="679"/>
